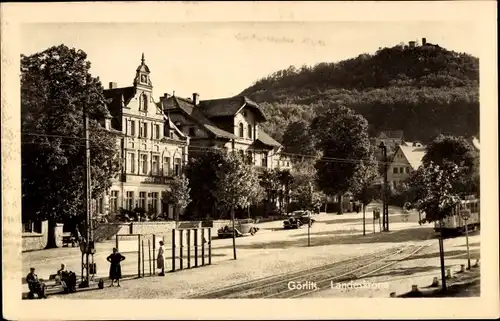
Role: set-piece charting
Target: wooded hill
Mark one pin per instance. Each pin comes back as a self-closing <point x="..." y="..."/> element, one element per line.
<point x="422" y="90"/>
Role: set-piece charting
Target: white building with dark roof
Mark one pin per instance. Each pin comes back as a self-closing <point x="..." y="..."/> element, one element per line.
<point x="406" y="159"/>
<point x="152" y="149"/>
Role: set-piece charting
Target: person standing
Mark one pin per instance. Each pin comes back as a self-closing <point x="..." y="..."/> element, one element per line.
<point x="160" y="260"/>
<point x="115" y="269"/>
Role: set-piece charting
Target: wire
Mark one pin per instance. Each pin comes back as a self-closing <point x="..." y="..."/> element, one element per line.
<point x="324" y="159"/>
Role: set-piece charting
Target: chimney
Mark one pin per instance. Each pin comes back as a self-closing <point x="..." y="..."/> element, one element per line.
<point x="424" y="41"/>
<point x="112" y="85"/>
<point x="196" y="98"/>
<point x="412" y="44"/>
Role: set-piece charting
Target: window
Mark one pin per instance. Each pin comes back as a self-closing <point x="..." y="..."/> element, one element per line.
<point x="130" y="200"/>
<point x="192" y="131"/>
<point x="401" y="169"/>
<point x="142" y="200"/>
<point x="249" y="157"/>
<point x="264" y="160"/>
<point x="154" y="202"/>
<point x="249" y="131"/>
<point x="241" y="130"/>
<point x="131" y="163"/>
<point x="157" y="132"/>
<point x="100" y="205"/>
<point x="177" y="166"/>
<point x="407" y="170"/>
<point x="156" y="165"/>
<point x="143" y="104"/>
<point x="131" y="130"/>
<point x="144" y="164"/>
<point x="113" y="202"/>
<point x="166" y="166"/>
<point x="242" y="154"/>
<point x="144" y="79"/>
<point x="143" y="130"/>
<point x="395" y="170"/>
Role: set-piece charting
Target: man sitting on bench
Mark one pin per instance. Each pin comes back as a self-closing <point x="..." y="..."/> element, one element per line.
<point x="35" y="285"/>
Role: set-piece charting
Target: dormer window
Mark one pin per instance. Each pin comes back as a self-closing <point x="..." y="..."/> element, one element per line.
<point x="241" y="130"/>
<point x="144" y="79"/>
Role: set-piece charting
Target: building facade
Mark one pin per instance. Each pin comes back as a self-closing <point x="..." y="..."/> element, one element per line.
<point x="232" y="124"/>
<point x="406" y="159"/>
<point x="151" y="148"/>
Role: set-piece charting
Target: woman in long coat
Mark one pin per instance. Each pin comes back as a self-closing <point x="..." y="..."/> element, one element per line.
<point x="160" y="260"/>
<point x="115" y="269"/>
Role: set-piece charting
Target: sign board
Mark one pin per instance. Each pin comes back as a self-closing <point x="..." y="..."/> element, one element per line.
<point x="465" y="214"/>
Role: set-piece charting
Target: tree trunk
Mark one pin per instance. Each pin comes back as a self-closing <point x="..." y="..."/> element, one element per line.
<point x="51" y="239"/>
<point x="364" y="212"/>
<point x="441" y="255"/>
<point x="341" y="198"/>
<point x="234" y="232"/>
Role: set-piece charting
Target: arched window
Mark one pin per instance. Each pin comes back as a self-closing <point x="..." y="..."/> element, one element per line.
<point x="241" y="130"/>
<point x="144" y="102"/>
<point x="249" y="131"/>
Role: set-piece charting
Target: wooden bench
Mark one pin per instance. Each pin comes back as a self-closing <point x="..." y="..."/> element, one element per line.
<point x="69" y="239"/>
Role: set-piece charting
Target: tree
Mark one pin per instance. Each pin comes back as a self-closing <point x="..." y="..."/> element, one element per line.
<point x="298" y="140"/>
<point x="270" y="184"/>
<point x="179" y="193"/>
<point x="285" y="180"/>
<point x="456" y="150"/>
<point x="363" y="185"/>
<point x="55" y="87"/>
<point x="201" y="172"/>
<point x="235" y="185"/>
<point x="342" y="137"/>
<point x="434" y="196"/>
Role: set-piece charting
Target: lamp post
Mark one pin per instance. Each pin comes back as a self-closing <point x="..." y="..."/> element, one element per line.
<point x="385" y="208"/>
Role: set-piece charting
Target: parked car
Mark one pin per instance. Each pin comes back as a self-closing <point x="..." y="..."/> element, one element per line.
<point x="292" y="223"/>
<point x="241" y="227"/>
<point x="305" y="219"/>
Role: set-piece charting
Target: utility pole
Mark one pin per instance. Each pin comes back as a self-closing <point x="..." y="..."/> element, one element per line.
<point x="385" y="207"/>
<point x="87" y="184"/>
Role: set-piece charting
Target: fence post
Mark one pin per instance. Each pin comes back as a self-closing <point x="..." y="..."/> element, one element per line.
<point x="142" y="255"/>
<point x="202" y="246"/>
<point x="173" y="250"/>
<point x="188" y="240"/>
<point x="209" y="246"/>
<point x="195" y="247"/>
<point x="139" y="255"/>
<point x="181" y="241"/>
<point x="149" y="257"/>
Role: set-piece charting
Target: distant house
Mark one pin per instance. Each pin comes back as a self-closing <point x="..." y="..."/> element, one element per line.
<point x="406" y="159"/>
<point x="391" y="138"/>
<point x="232" y="124"/>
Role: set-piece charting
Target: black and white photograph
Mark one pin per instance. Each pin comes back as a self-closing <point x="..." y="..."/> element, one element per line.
<point x="255" y="155"/>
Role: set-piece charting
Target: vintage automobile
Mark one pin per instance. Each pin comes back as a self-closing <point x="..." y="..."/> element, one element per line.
<point x="241" y="227"/>
<point x="298" y="220"/>
<point x="292" y="223"/>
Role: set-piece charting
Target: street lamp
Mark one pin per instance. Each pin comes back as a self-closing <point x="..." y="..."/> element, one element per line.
<point x="385" y="207"/>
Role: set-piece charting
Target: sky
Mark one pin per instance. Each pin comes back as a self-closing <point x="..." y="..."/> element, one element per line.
<point x="221" y="59"/>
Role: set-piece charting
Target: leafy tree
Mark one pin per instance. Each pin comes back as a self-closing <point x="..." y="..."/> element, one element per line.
<point x="55" y="86"/>
<point x="270" y="184"/>
<point x="434" y="197"/>
<point x="342" y="137"/>
<point x="201" y="172"/>
<point x="179" y="193"/>
<point x="285" y="180"/>
<point x="235" y="186"/>
<point x="297" y="139"/>
<point x="456" y="150"/>
<point x="363" y="185"/>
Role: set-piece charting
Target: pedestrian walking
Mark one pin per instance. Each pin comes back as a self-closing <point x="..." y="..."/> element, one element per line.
<point x="115" y="269"/>
<point x="160" y="260"/>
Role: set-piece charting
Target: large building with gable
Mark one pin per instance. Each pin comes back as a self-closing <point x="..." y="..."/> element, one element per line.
<point x="152" y="149"/>
<point x="233" y="124"/>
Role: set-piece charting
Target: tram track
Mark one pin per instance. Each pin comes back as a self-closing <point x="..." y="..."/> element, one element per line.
<point x="277" y="286"/>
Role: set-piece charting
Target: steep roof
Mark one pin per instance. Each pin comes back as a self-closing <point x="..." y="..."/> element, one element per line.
<point x="266" y="139"/>
<point x="413" y="155"/>
<point x="187" y="107"/>
<point x="115" y="97"/>
<point x="229" y="107"/>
